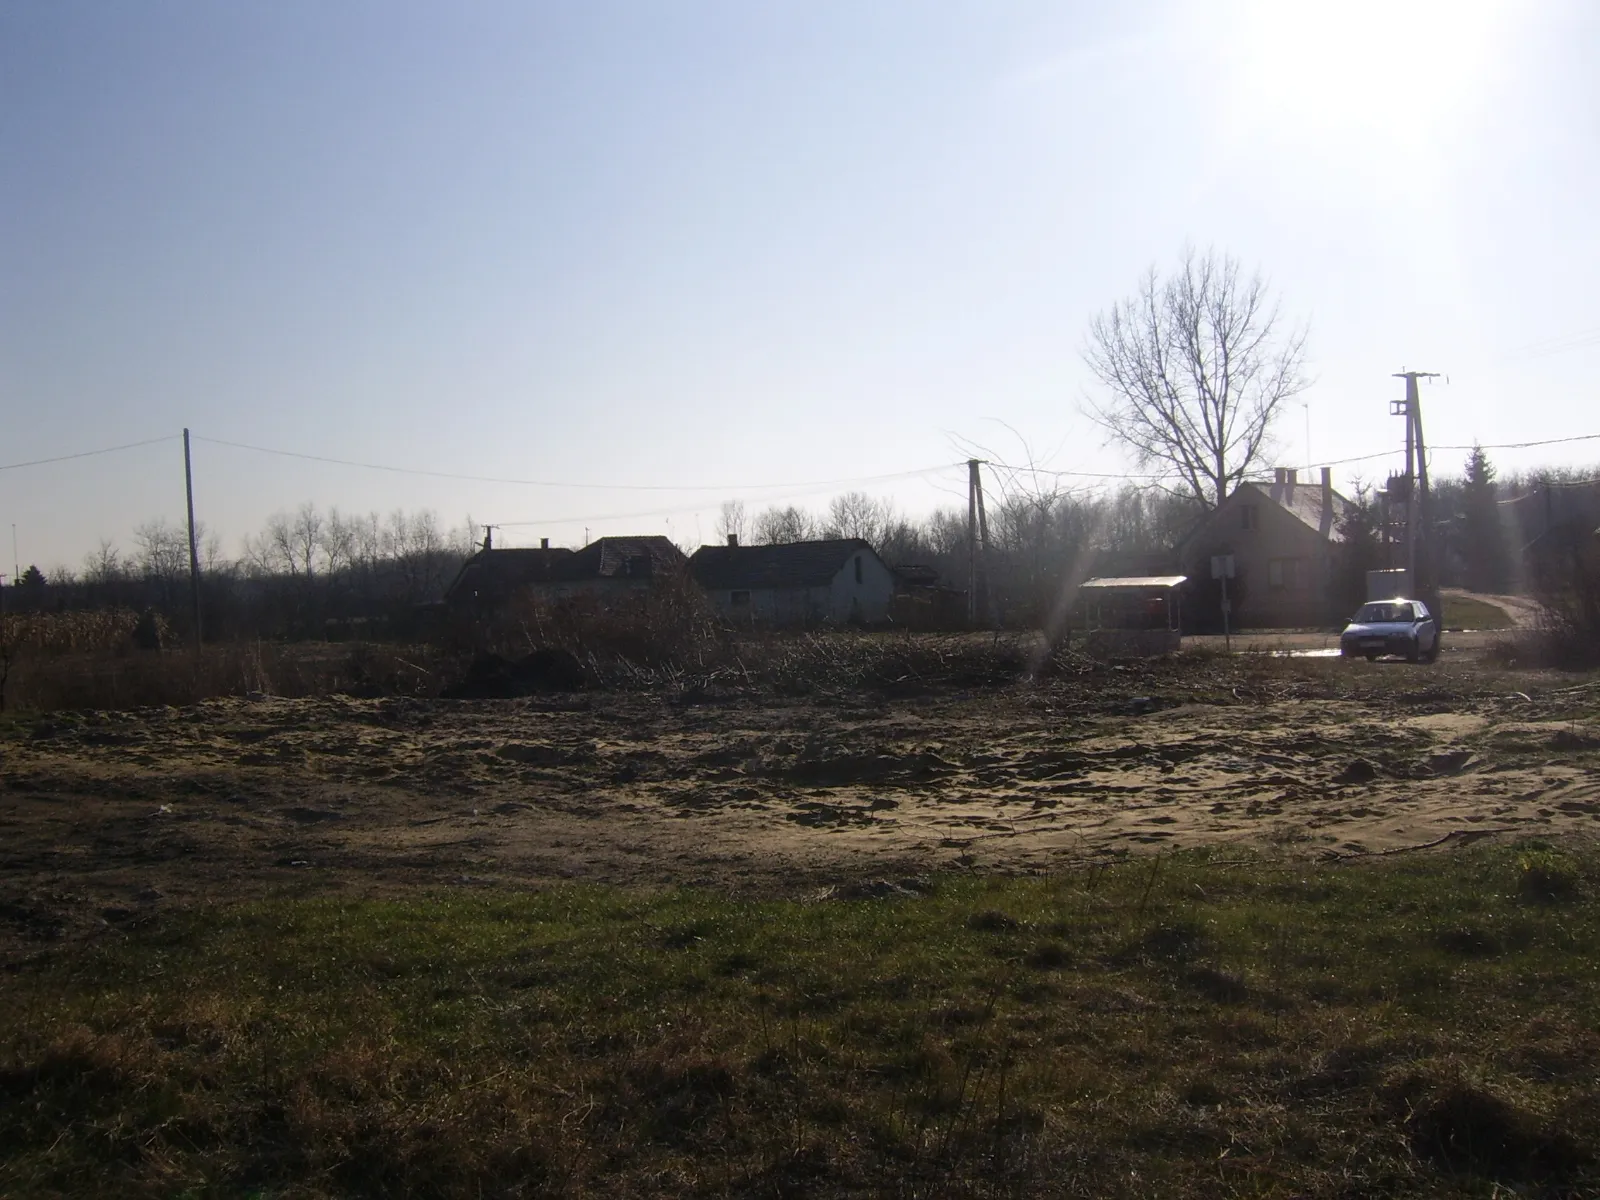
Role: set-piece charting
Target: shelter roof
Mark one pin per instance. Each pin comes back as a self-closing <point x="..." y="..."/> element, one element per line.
<point x="1132" y="582"/>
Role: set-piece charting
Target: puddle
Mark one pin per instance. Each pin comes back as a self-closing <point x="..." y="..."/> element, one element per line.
<point x="1329" y="652"/>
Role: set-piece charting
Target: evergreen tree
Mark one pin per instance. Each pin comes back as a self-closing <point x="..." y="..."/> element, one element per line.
<point x="1360" y="551"/>
<point x="1483" y="539"/>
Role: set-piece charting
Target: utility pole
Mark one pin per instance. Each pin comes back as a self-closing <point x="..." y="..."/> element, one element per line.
<point x="1419" y="559"/>
<point x="978" y="605"/>
<point x="194" y="547"/>
<point x="972" y="542"/>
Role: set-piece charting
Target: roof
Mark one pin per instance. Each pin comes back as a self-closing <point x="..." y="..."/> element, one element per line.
<point x="1135" y="581"/>
<point x="1303" y="501"/>
<point x="785" y="565"/>
<point x="495" y="573"/>
<point x="625" y="558"/>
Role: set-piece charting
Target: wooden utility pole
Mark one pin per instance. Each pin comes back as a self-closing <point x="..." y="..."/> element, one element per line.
<point x="972" y="542"/>
<point x="977" y="547"/>
<point x="194" y="546"/>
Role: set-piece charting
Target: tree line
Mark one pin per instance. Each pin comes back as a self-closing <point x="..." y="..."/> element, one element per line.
<point x="312" y="572"/>
<point x="305" y="573"/>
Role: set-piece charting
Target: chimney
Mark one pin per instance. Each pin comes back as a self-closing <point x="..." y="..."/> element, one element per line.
<point x="1327" y="490"/>
<point x="1291" y="476"/>
<point x="544" y="543"/>
<point x="733" y="539"/>
<point x="1279" y="475"/>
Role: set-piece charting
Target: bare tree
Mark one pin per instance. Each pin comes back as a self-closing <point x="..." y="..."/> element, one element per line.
<point x="732" y="522"/>
<point x="305" y="538"/>
<point x="104" y="565"/>
<point x="776" y="526"/>
<point x="163" y="552"/>
<point x="1197" y="367"/>
<point x="858" y="515"/>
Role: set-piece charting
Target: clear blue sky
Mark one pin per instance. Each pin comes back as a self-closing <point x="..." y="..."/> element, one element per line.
<point x="739" y="245"/>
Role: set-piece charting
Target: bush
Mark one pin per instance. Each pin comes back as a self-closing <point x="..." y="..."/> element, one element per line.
<point x="1565" y="571"/>
<point x="1547" y="877"/>
<point x="652" y="635"/>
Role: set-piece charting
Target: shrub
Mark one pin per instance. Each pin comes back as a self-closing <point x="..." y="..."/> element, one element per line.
<point x="1546" y="876"/>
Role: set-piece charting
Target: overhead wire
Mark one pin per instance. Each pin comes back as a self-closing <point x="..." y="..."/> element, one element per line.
<point x="39" y="462"/>
<point x="687" y="508"/>
<point x="550" y="483"/>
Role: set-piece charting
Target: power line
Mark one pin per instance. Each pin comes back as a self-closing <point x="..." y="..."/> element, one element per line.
<point x="547" y="483"/>
<point x="1559" y="344"/>
<point x="1000" y="466"/>
<point x="1336" y="462"/>
<point x="668" y="512"/>
<point x="1581" y="437"/>
<point x="39" y="462"/>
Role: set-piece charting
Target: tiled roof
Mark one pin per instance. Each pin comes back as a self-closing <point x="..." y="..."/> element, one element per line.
<point x="625" y="558"/>
<point x="1304" y="502"/>
<point x="786" y="565"/>
<point x="495" y="574"/>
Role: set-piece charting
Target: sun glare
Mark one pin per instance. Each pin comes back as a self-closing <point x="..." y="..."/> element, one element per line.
<point x="1400" y="67"/>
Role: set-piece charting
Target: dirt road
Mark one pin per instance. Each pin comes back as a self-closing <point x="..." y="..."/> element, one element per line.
<point x="104" y="815"/>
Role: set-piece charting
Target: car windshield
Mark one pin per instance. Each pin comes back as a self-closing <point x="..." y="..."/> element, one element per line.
<point x="1371" y="614"/>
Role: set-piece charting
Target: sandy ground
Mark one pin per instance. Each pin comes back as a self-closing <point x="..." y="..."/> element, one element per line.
<point x="106" y="816"/>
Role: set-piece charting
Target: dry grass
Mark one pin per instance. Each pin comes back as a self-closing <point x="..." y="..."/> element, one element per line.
<point x="147" y="678"/>
<point x="101" y="632"/>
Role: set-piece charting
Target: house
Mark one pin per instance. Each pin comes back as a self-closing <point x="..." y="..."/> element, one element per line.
<point x="795" y="583"/>
<point x="922" y="601"/>
<point x="609" y="566"/>
<point x="1284" y="540"/>
<point x="490" y="577"/>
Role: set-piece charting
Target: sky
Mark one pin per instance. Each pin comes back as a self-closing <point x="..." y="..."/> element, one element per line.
<point x="646" y="257"/>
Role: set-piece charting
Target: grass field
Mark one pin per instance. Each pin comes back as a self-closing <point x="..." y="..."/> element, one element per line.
<point x="1178" y="1025"/>
<point x="1466" y="612"/>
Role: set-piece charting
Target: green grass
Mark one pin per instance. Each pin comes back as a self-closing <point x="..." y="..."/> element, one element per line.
<point x="1462" y="612"/>
<point x="1180" y="1026"/>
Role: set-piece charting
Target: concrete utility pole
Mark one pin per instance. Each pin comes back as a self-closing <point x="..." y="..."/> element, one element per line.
<point x="1419" y="558"/>
<point x="194" y="548"/>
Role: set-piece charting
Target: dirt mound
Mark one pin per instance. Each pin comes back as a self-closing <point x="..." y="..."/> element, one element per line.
<point x="490" y="677"/>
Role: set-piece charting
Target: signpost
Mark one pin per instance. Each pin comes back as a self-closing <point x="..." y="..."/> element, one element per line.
<point x="1222" y="570"/>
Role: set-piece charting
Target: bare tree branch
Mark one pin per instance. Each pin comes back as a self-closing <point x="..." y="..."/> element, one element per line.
<point x="1196" y="367"/>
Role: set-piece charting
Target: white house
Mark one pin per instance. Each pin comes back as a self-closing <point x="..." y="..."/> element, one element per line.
<point x="796" y="583"/>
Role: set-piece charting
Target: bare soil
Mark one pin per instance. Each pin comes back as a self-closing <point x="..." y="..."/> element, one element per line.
<point x="105" y="817"/>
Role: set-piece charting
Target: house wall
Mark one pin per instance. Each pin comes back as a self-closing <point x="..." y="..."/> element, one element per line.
<point x="866" y="601"/>
<point x="597" y="588"/>
<point x="842" y="601"/>
<point x="774" y="606"/>
<point x="1284" y="569"/>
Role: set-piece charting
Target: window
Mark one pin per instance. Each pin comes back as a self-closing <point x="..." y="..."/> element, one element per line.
<point x="739" y="599"/>
<point x="1249" y="517"/>
<point x="858" y="568"/>
<point x="1286" y="574"/>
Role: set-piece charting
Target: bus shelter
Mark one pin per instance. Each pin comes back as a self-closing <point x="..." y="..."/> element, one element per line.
<point x="1131" y="616"/>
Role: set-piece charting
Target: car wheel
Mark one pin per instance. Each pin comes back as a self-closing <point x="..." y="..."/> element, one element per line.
<point x="1372" y="658"/>
<point x="1433" y="651"/>
<point x="1415" y="652"/>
